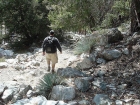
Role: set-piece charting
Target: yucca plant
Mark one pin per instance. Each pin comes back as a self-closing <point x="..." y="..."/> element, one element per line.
<point x="48" y="81"/>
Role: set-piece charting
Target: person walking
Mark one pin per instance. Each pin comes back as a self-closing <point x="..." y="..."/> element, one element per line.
<point x="50" y="46"/>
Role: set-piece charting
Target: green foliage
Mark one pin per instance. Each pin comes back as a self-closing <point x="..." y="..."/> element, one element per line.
<point x="19" y="45"/>
<point x="59" y="34"/>
<point x="76" y="15"/>
<point x="26" y="18"/>
<point x="48" y="81"/>
<point x="109" y="20"/>
<point x="120" y="8"/>
<point x="85" y="45"/>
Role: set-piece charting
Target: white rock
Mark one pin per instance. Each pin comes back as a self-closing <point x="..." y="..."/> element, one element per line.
<point x="3" y="65"/>
<point x="10" y="61"/>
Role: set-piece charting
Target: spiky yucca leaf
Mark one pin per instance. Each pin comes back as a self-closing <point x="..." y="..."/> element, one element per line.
<point x="48" y="81"/>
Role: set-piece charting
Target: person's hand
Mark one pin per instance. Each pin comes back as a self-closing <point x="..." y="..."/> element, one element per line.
<point x="43" y="53"/>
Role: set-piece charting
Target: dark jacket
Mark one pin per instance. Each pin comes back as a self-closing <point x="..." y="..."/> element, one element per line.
<point x="56" y="44"/>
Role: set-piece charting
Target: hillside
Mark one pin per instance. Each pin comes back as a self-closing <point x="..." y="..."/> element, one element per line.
<point x="116" y="80"/>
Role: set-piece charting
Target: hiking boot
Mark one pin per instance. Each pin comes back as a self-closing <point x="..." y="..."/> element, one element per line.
<point x="53" y="71"/>
<point x="48" y="69"/>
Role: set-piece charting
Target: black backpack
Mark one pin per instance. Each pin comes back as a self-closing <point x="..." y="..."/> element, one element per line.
<point x="49" y="44"/>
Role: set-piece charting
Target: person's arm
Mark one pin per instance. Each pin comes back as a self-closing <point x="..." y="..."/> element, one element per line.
<point x="57" y="43"/>
<point x="43" y="47"/>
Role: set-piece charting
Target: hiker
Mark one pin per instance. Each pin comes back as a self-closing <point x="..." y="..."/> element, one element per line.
<point x="50" y="46"/>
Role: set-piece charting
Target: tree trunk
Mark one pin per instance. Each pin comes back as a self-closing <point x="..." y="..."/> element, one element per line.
<point x="135" y="16"/>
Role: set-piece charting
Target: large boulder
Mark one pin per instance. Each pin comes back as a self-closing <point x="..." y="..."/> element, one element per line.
<point x="82" y="84"/>
<point x="101" y="99"/>
<point x="70" y="72"/>
<point x="60" y="92"/>
<point x="6" y="53"/>
<point x="85" y="64"/>
<point x="114" y="35"/>
<point x="107" y="36"/>
<point x="111" y="54"/>
<point x="7" y="95"/>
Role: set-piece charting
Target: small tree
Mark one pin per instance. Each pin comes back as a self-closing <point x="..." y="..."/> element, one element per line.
<point x="26" y="18"/>
<point x="135" y="16"/>
<point x="75" y="15"/>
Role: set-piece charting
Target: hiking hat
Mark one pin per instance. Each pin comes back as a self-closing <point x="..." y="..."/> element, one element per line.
<point x="52" y="32"/>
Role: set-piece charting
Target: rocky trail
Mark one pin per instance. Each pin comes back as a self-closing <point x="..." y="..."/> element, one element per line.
<point x="32" y="75"/>
<point x="109" y="75"/>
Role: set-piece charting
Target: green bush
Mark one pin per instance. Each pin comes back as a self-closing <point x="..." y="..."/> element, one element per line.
<point x="20" y="45"/>
<point x="120" y="12"/>
<point x="109" y="20"/>
<point x="48" y="81"/>
<point x="85" y="45"/>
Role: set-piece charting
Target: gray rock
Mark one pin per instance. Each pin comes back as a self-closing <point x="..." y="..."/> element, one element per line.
<point x="81" y="84"/>
<point x="125" y="51"/>
<point x="102" y="99"/>
<point x="60" y="92"/>
<point x="122" y="86"/>
<point x="39" y="100"/>
<point x="114" y="95"/>
<point x="90" y="79"/>
<point x="103" y="86"/>
<point x="24" y="89"/>
<point x="136" y="102"/>
<point x="119" y="102"/>
<point x="112" y="87"/>
<point x="111" y="54"/>
<point x="98" y="83"/>
<point x="29" y="93"/>
<point x="21" y="58"/>
<point x="2" y="53"/>
<point x="7" y="95"/>
<point x="100" y="73"/>
<point x="2" y="87"/>
<point x="84" y="102"/>
<point x="100" y="61"/>
<point x="51" y="102"/>
<point x="114" y="35"/>
<point x="15" y="98"/>
<point x="70" y="72"/>
<point x="9" y="53"/>
<point x="85" y="64"/>
<point x="3" y="65"/>
<point x="21" y="102"/>
<point x="72" y="103"/>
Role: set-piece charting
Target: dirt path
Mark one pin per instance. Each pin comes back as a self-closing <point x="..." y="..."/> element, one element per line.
<point x="31" y="76"/>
